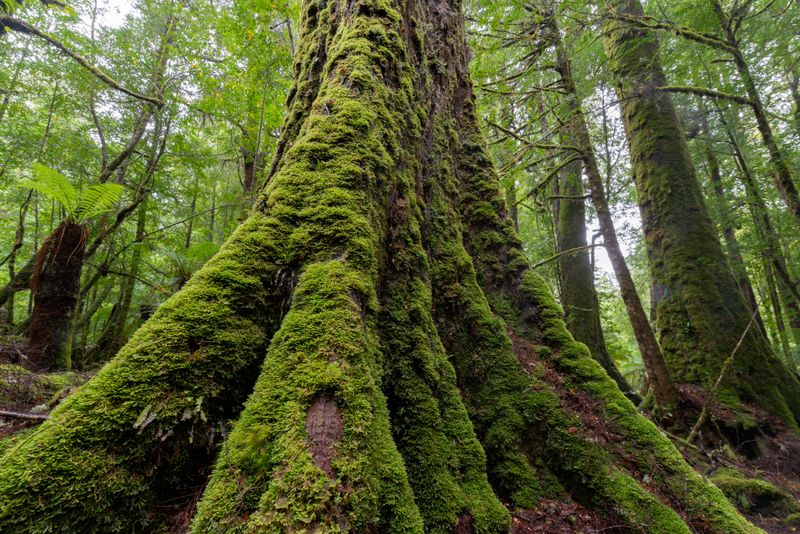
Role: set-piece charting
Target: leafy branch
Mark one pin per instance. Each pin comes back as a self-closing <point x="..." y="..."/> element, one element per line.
<point x="10" y="23"/>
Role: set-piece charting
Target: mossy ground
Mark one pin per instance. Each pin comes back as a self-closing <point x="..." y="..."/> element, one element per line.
<point x="753" y="495"/>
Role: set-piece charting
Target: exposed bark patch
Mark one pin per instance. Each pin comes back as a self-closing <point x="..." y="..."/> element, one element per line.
<point x="465" y="524"/>
<point x="324" y="429"/>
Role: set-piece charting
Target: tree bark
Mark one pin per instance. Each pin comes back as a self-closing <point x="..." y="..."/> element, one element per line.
<point x="701" y="312"/>
<point x="55" y="284"/>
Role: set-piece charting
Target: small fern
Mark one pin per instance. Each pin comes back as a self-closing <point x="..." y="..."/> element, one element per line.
<point x="97" y="199"/>
<point x="91" y="202"/>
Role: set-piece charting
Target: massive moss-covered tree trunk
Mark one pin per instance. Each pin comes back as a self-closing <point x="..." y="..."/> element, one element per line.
<point x="701" y="312"/>
<point x="415" y="375"/>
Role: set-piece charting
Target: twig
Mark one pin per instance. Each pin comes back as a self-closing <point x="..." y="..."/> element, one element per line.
<point x="18" y="415"/>
<point x="565" y="253"/>
<point x="701" y="420"/>
<point x="23" y="27"/>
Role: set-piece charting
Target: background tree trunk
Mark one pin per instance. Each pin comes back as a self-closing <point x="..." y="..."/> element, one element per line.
<point x="578" y="294"/>
<point x="56" y="282"/>
<point x="701" y="312"/>
<point x="658" y="378"/>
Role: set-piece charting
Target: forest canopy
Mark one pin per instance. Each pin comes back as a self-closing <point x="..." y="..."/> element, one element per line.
<point x="400" y="266"/>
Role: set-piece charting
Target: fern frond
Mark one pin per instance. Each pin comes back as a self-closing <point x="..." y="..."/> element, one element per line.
<point x="97" y="199"/>
<point x="54" y="185"/>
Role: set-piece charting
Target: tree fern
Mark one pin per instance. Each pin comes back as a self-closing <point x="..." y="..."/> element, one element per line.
<point x="92" y="201"/>
<point x="52" y="184"/>
<point x="97" y="199"/>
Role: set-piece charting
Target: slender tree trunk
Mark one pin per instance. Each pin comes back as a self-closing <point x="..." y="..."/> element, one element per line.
<point x="658" y="378"/>
<point x="192" y="210"/>
<point x="781" y="174"/>
<point x="511" y="200"/>
<point x="794" y="88"/>
<point x="728" y="232"/>
<point x="367" y="269"/>
<point x="578" y="294"/>
<point x="112" y="337"/>
<point x="19" y="236"/>
<point x="788" y="288"/>
<point x="777" y="312"/>
<point x="701" y="312"/>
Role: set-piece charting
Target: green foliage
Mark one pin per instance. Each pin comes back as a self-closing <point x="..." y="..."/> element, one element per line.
<point x="79" y="206"/>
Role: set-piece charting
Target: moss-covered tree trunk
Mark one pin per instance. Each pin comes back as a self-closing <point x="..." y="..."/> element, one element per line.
<point x="701" y="312"/>
<point x="658" y="378"/>
<point x="578" y="294"/>
<point x="415" y="375"/>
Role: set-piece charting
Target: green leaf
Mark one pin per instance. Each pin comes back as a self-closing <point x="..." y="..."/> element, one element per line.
<point x="54" y="185"/>
<point x="97" y="199"/>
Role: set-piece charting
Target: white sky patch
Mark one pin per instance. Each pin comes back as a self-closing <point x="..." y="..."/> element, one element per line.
<point x="113" y="12"/>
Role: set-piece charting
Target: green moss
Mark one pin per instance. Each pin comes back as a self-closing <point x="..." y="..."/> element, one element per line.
<point x="434" y="432"/>
<point x="345" y="164"/>
<point x="753" y="495"/>
<point x="501" y="403"/>
<point x="134" y="432"/>
<point x="522" y="299"/>
<point x="792" y="519"/>
<point x="266" y="478"/>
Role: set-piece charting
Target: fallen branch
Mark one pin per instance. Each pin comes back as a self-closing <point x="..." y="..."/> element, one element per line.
<point x="19" y="415"/>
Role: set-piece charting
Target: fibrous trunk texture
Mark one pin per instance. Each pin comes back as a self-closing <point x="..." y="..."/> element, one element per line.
<point x="701" y="312"/>
<point x="418" y="376"/>
<point x="55" y="284"/>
